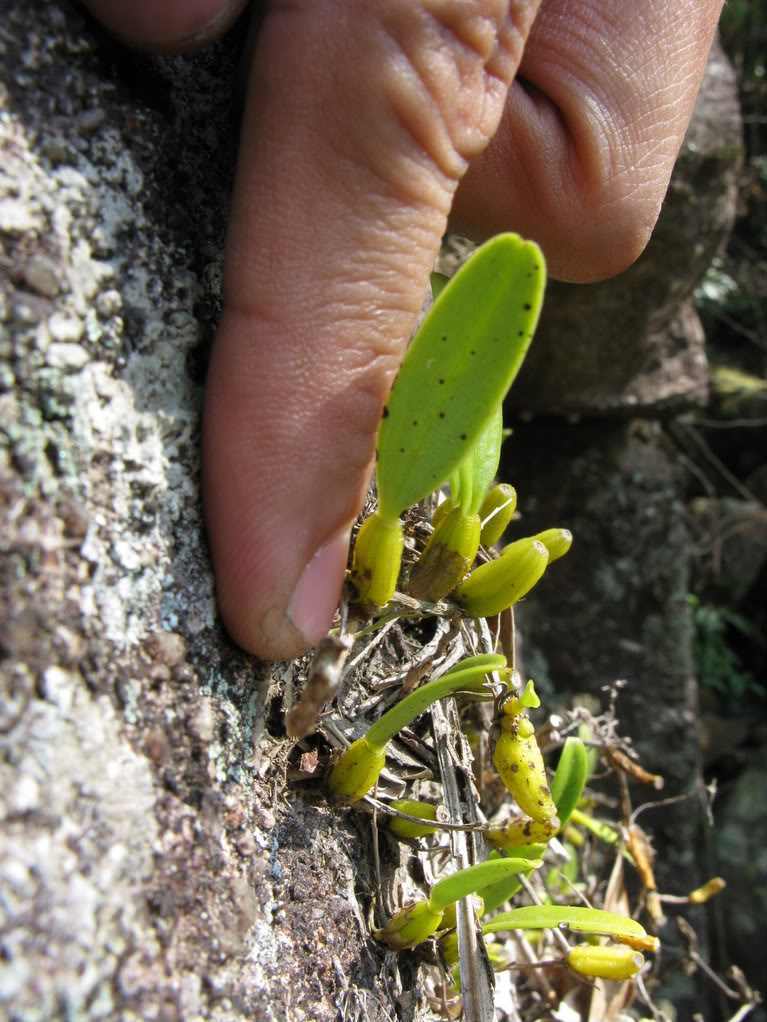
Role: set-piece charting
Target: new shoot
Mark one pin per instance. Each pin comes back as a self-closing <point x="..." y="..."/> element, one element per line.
<point x="419" y="920"/>
<point x="357" y="771"/>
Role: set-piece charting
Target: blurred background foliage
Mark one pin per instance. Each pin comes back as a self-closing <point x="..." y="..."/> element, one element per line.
<point x="731" y="620"/>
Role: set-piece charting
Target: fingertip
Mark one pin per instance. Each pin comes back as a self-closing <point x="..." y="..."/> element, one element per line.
<point x="280" y="492"/>
<point x="261" y="622"/>
<point x="333" y="233"/>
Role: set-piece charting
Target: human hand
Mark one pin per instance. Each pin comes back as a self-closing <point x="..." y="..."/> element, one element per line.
<point x="367" y="124"/>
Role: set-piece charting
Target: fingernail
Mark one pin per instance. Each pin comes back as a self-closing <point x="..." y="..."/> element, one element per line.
<point x="315" y="598"/>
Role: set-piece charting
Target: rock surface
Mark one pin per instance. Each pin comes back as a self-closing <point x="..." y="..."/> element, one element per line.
<point x="153" y="864"/>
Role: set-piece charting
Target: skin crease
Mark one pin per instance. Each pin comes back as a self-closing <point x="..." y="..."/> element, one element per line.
<point x="362" y="120"/>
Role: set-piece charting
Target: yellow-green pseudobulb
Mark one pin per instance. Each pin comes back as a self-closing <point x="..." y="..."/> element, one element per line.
<point x="493" y="587"/>
<point x="520" y="765"/>
<point x="520" y="832"/>
<point x="447" y="557"/>
<point x="556" y="541"/>
<point x="449" y="920"/>
<point x="612" y="961"/>
<point x="441" y="512"/>
<point x="357" y="770"/>
<point x="406" y="829"/>
<point x="501" y="503"/>
<point x="412" y="925"/>
<point x="448" y="945"/>
<point x="376" y="559"/>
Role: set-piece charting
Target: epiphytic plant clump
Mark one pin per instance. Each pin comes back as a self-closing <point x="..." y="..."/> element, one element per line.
<point x="434" y="588"/>
<point x="443" y="418"/>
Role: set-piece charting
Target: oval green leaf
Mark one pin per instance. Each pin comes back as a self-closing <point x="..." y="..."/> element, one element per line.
<point x="458" y="368"/>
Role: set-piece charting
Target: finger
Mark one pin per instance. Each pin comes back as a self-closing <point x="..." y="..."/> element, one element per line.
<point x="591" y="130"/>
<point x="360" y="121"/>
<point x="166" y="25"/>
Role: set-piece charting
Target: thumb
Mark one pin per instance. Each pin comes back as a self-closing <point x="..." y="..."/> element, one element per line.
<point x="359" y="124"/>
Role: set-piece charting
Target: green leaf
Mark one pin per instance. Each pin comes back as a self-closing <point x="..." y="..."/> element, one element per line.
<point x="358" y="768"/>
<point x="488" y="661"/>
<point x="499" y="893"/>
<point x="575" y="917"/>
<point x="461" y="484"/>
<point x="478" y="469"/>
<point x="458" y="368"/>
<point x="475" y="878"/>
<point x="570" y="778"/>
<point x="468" y="674"/>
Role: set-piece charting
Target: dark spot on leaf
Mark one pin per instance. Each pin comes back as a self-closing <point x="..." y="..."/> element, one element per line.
<point x="402" y="450"/>
<point x="472" y="352"/>
<point x="442" y="415"/>
<point x="444" y="337"/>
<point x="514" y="767"/>
<point x="440" y="380"/>
<point x="415" y="422"/>
<point x="520" y="333"/>
<point x="527" y="306"/>
<point x="386" y="412"/>
<point x="463" y="436"/>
